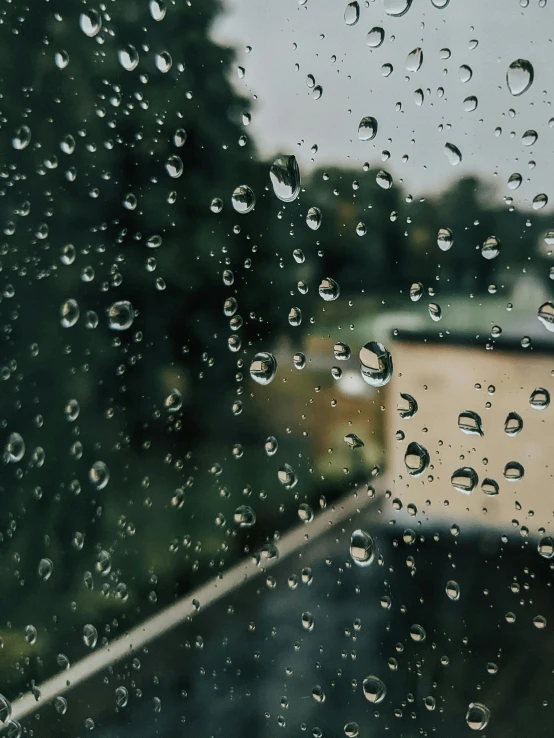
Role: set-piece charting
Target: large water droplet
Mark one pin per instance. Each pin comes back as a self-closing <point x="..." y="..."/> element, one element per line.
<point x="90" y="635"/>
<point x="539" y="201"/>
<point x="453" y="153"/>
<point x="163" y="61"/>
<point x="174" y="166"/>
<point x="383" y="179"/>
<point x="90" y="22"/>
<point x="5" y="709"/>
<point x="397" y="7"/>
<point x="540" y="398"/>
<point x="69" y="313"/>
<point x="287" y="476"/>
<point x="15" y="448"/>
<point x="416" y="459"/>
<point x="464" y="480"/>
<point x="243" y="199"/>
<point x="314" y="218"/>
<point x="375" y="364"/>
<point x="374" y="689"/>
<point x="491" y="248"/>
<point x="244" y="516"/>
<point x="407" y="407"/>
<point x="22" y="138"/>
<point x="121" y="315"/>
<point x="435" y="312"/>
<point x="30" y="634"/>
<point x="453" y="590"/>
<point x="328" y="289"/>
<point x="285" y="178"/>
<point x="128" y="57"/>
<point x="477" y="716"/>
<point x="352" y="14"/>
<point x="173" y="401"/>
<point x="546" y="547"/>
<point x="414" y="60"/>
<point x="470" y="423"/>
<point x="445" y="239"/>
<point x="513" y="471"/>
<point x="417" y="633"/>
<point x="519" y="76"/>
<point x="367" y="130"/>
<point x="353" y="441"/>
<point x="375" y="37"/>
<point x="514" y="181"/>
<point x="263" y="367"/>
<point x="489" y="487"/>
<point x="362" y="548"/>
<point x="546" y="315"/>
<point x="45" y="569"/>
<point x="513" y="424"/>
<point x="99" y="474"/>
<point x="470" y="103"/>
<point x="416" y="291"/>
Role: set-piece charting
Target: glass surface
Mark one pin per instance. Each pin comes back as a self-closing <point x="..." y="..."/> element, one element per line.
<point x="277" y="355"/>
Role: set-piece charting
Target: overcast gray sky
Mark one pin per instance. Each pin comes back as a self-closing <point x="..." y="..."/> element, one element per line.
<point x="285" y="113"/>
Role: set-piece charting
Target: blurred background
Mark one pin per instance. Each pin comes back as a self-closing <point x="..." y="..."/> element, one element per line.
<point x="147" y="257"/>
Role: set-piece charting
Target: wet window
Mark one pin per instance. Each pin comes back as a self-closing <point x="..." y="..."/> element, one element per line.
<point x="277" y="355"/>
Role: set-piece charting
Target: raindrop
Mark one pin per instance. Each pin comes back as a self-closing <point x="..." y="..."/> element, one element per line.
<point x="453" y="590"/>
<point x="477" y="716"/>
<point x="285" y="178"/>
<point x="60" y="705"/>
<point x="307" y="621"/>
<point x="313" y="218"/>
<point x="416" y="291"/>
<point x="489" y="487"/>
<point x="470" y="423"/>
<point x="299" y="360"/>
<point x="539" y="201"/>
<point x="317" y="92"/>
<point x="230" y="307"/>
<point x="216" y="205"/>
<point x="61" y="59"/>
<point x="121" y="696"/>
<point x="295" y="316"/>
<point x="15" y="448"/>
<point x="341" y="351"/>
<point x="546" y="547"/>
<point x="470" y="104"/>
<point x="362" y="548"/>
<point x="464" y="480"/>
<point x="163" y="61"/>
<point x="397" y="7"/>
<point x="174" y="401"/>
<point x="243" y="199"/>
<point x="305" y="513"/>
<point x="540" y="398"/>
<point x="414" y="60"/>
<point x="179" y="138"/>
<point x="328" y="289"/>
<point x="491" y="248"/>
<point x="128" y="57"/>
<point x="99" y="474"/>
<point x="375" y="364"/>
<point x="318" y="694"/>
<point x="174" y="166"/>
<point x="465" y="73"/>
<point x="416" y="459"/>
<point x="30" y="634"/>
<point x="513" y="471"/>
<point x="45" y="569"/>
<point x="351" y="730"/>
<point x="157" y="9"/>
<point x="374" y="690"/>
<point x="22" y="138"/>
<point x="353" y="441"/>
<point x="271" y="445"/>
<point x="263" y="367"/>
<point x="453" y="154"/>
<point x="287" y="476"/>
<point x="244" y="516"/>
<point x="417" y="633"/>
<point x="352" y="14"/>
<point x="529" y="138"/>
<point x="90" y="22"/>
<point x="513" y="424"/>
<point x="69" y="313"/>
<point x="445" y="239"/>
<point x="440" y="4"/>
<point x="514" y="181"/>
<point x="408" y="407"/>
<point x="435" y="311"/>
<point x="367" y="130"/>
<point x="375" y="37"/>
<point x="90" y="635"/>
<point x="519" y="76"/>
<point x="121" y="315"/>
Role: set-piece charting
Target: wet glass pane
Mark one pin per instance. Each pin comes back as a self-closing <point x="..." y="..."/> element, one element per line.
<point x="277" y="353"/>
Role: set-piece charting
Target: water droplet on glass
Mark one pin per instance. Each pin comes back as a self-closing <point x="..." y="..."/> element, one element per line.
<point x="353" y="441"/>
<point x="367" y="130"/>
<point x="362" y="548"/>
<point x="546" y="547"/>
<point x="514" y="181"/>
<point x="540" y="201"/>
<point x="513" y="424"/>
<point x="243" y="199"/>
<point x="341" y="351"/>
<point x="318" y="694"/>
<point x="45" y="569"/>
<point x="375" y="364"/>
<point x="464" y="480"/>
<point x="244" y="516"/>
<point x="5" y="709"/>
<point x="295" y="316"/>
<point x="352" y="14"/>
<point x="453" y="154"/>
<point x="416" y="459"/>
<point x="287" y="476"/>
<point x="470" y="104"/>
<point x="285" y="178"/>
<point x="313" y="218"/>
<point x="407" y="408"/>
<point x="61" y="59"/>
<point x="90" y="635"/>
<point x="15" y="448"/>
<point x="489" y="487"/>
<point x="174" y="166"/>
<point x="216" y="205"/>
<point x="416" y="291"/>
<point x="453" y="590"/>
<point x="491" y="248"/>
<point x="90" y="22"/>
<point x="22" y="138"/>
<point x="121" y="696"/>
<point x="69" y="313"/>
<point x="305" y="513"/>
<point x="513" y="471"/>
<point x="445" y="239"/>
<point x="435" y="312"/>
<point x="179" y="139"/>
<point x="414" y="60"/>
<point x="383" y="179"/>
<point x="299" y="360"/>
<point x="128" y="57"/>
<point x="470" y="423"/>
<point x="271" y="445"/>
<point x="540" y="398"/>
<point x="519" y="76"/>
<point x="477" y="716"/>
<point x="174" y="401"/>
<point x="30" y="634"/>
<point x="121" y="315"/>
<point x="374" y="689"/>
<point x="417" y="633"/>
<point x="351" y="730"/>
<point x="99" y="474"/>
<point x="263" y="367"/>
<point x="375" y="37"/>
<point x="397" y="7"/>
<point x="60" y="705"/>
<point x="328" y="289"/>
<point x="163" y="61"/>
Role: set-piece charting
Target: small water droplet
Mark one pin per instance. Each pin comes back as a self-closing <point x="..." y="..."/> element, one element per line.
<point x="305" y="513"/>
<point x="470" y="104"/>
<point x="329" y="290"/>
<point x="490" y="248"/>
<point x="383" y="179"/>
<point x="514" y="181"/>
<point x="263" y="368"/>
<point x="374" y="689"/>
<point x="244" y="516"/>
<point x="299" y="360"/>
<point x="90" y="635"/>
<point x="351" y="730"/>
<point x="445" y="239"/>
<point x="519" y="76"/>
<point x="173" y="401"/>
<point x="22" y="138"/>
<point x="163" y="61"/>
<point x="271" y="445"/>
<point x="90" y="22"/>
<point x="367" y="129"/>
<point x="540" y="201"/>
<point x="243" y="199"/>
<point x="362" y="548"/>
<point x="121" y="315"/>
<point x="157" y="9"/>
<point x="285" y="178"/>
<point x="314" y="218"/>
<point x="416" y="291"/>
<point x="489" y="487"/>
<point x="99" y="474"/>
<point x="128" y="57"/>
<point x="69" y="313"/>
<point x="121" y="696"/>
<point x="546" y="547"/>
<point x="453" y="590"/>
<point x="174" y="166"/>
<point x="341" y="351"/>
<point x="416" y="459"/>
<point x="397" y="7"/>
<point x="15" y="448"/>
<point x="45" y="569"/>
<point x="435" y="312"/>
<point x="375" y="364"/>
<point x="513" y="471"/>
<point x="417" y="633"/>
<point x="30" y="634"/>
